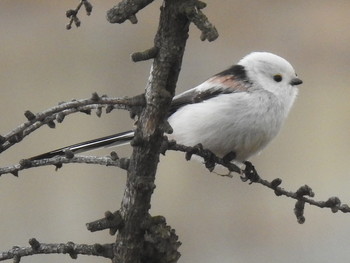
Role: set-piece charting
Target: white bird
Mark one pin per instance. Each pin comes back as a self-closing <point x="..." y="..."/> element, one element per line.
<point x="239" y="110"/>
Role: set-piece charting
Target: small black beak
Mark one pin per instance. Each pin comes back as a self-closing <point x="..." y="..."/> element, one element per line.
<point x="296" y="81"/>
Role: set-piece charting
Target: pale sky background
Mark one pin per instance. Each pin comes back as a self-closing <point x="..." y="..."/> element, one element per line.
<point x="217" y="219"/>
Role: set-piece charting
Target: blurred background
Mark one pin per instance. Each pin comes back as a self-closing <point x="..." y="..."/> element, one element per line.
<point x="218" y="219"/>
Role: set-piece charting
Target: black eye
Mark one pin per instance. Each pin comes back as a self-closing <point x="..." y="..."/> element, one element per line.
<point x="277" y="78"/>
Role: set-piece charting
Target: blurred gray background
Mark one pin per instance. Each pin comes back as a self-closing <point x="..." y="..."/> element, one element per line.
<point x="218" y="219"/>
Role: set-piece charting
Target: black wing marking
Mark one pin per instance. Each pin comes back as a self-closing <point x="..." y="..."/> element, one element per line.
<point x="194" y="96"/>
<point x="237" y="71"/>
<point x="231" y="80"/>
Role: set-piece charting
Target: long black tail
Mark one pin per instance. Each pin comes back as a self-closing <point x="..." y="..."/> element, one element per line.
<point x="107" y="141"/>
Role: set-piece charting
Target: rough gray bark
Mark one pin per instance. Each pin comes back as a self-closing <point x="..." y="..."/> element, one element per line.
<point x="170" y="43"/>
<point x="167" y="52"/>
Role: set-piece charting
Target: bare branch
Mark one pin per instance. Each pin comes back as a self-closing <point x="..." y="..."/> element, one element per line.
<point x="161" y="243"/>
<point x="59" y="112"/>
<point x="145" y="55"/>
<point x="126" y="9"/>
<point x="57" y="161"/>
<point x="72" y="14"/>
<point x="111" y="221"/>
<point x="70" y="248"/>
<point x="303" y="195"/>
<point x="210" y="159"/>
<point x="195" y="15"/>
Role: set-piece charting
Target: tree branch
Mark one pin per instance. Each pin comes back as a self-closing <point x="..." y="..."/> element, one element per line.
<point x="111" y="221"/>
<point x="145" y="55"/>
<point x="303" y="195"/>
<point x="72" y="14"/>
<point x="126" y="9"/>
<point x="195" y="15"/>
<point x="58" y="161"/>
<point x="58" y="113"/>
<point x="16" y="253"/>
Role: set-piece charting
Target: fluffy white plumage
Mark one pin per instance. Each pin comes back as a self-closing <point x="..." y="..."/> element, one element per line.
<point x="245" y="120"/>
<point x="238" y="110"/>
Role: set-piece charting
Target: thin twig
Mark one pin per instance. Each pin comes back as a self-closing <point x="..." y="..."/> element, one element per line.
<point x="196" y="16"/>
<point x="303" y="195"/>
<point x="72" y="14"/>
<point x="58" y="161"/>
<point x="62" y="248"/>
<point x="58" y="113"/>
<point x="126" y="9"/>
<point x="111" y="221"/>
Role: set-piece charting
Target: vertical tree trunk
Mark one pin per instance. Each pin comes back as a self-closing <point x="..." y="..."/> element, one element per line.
<point x="170" y="45"/>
